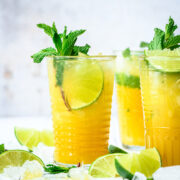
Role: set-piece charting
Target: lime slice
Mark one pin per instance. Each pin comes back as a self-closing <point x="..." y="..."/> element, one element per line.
<point x="104" y="166"/>
<point x="32" y="137"/>
<point x="164" y="60"/>
<point x="16" y="158"/>
<point x="82" y="83"/>
<point x="146" y="162"/>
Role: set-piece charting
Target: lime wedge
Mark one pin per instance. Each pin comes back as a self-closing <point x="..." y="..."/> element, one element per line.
<point x="32" y="137"/>
<point x="82" y="83"/>
<point x="104" y="166"/>
<point x="146" y="162"/>
<point x="16" y="158"/>
<point x="164" y="60"/>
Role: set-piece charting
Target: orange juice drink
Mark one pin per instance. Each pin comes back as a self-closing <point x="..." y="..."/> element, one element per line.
<point x="160" y="82"/>
<point x="129" y="101"/>
<point x="81" y="106"/>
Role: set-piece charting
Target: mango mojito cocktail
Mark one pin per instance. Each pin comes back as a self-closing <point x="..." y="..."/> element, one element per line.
<point x="81" y="107"/>
<point x="160" y="83"/>
<point x="81" y="88"/>
<point x="129" y="99"/>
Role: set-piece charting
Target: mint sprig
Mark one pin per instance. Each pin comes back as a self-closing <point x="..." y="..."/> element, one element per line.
<point x="126" y="53"/>
<point x="164" y="39"/>
<point x="54" y="169"/>
<point x="65" y="45"/>
<point x="2" y="148"/>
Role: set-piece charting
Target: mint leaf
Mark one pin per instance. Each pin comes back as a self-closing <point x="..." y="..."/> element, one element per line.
<point x="126" y="53"/>
<point x="54" y="169"/>
<point x="69" y="41"/>
<point x="122" y="171"/>
<point x="47" y="29"/>
<point x="173" y="41"/>
<point x="131" y="81"/>
<point x="115" y="149"/>
<point x="144" y="44"/>
<point x="82" y="49"/>
<point x="2" y="149"/>
<point x="158" y="40"/>
<point x="57" y="42"/>
<point x="39" y="56"/>
<point x="170" y="28"/>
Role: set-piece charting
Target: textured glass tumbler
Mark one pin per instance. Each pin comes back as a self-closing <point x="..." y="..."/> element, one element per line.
<point x="160" y="85"/>
<point x="81" y="91"/>
<point x="130" y="113"/>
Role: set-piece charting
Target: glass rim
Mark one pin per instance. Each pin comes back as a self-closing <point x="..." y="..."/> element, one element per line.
<point x="162" y="58"/>
<point x="92" y="57"/>
<point x="133" y="52"/>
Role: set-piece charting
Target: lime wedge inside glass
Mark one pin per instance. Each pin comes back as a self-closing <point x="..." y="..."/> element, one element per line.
<point x="32" y="137"/>
<point x="164" y="60"/>
<point x="82" y="83"/>
<point x="16" y="158"/>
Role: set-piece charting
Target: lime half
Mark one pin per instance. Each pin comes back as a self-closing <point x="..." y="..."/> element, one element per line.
<point x="164" y="60"/>
<point x="82" y="83"/>
<point x="146" y="162"/>
<point x="16" y="158"/>
<point x="104" y="166"/>
<point x="32" y="137"/>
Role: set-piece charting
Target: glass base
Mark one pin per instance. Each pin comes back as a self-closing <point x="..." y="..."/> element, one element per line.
<point x="133" y="148"/>
<point x="86" y="166"/>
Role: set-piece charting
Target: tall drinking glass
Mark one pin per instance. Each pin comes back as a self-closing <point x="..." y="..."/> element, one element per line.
<point x="81" y="93"/>
<point x="129" y="100"/>
<point x="160" y="84"/>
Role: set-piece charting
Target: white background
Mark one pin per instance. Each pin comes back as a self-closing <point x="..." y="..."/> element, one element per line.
<point x="110" y="24"/>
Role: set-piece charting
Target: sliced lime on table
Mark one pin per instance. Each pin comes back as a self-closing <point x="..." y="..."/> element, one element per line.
<point x="82" y="83"/>
<point x="16" y="158"/>
<point x="146" y="162"/>
<point x="164" y="60"/>
<point x="32" y="137"/>
<point x="104" y="166"/>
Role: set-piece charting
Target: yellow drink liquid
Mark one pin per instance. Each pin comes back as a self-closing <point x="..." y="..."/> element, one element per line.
<point x="129" y="102"/>
<point x="81" y="135"/>
<point x="161" y="101"/>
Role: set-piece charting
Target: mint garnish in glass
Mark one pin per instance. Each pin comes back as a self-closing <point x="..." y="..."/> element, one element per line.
<point x="65" y="45"/>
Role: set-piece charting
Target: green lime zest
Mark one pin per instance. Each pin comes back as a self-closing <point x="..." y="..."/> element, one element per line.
<point x="122" y="171"/>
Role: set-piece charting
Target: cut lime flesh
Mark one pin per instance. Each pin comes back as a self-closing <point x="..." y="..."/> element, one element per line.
<point x="82" y="83"/>
<point x="32" y="137"/>
<point x="16" y="158"/>
<point x="147" y="162"/>
<point x="164" y="60"/>
<point x="104" y="166"/>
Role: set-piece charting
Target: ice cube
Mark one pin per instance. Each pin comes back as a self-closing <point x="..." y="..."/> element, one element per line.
<point x="44" y="152"/>
<point x="167" y="173"/>
<point x="139" y="176"/>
